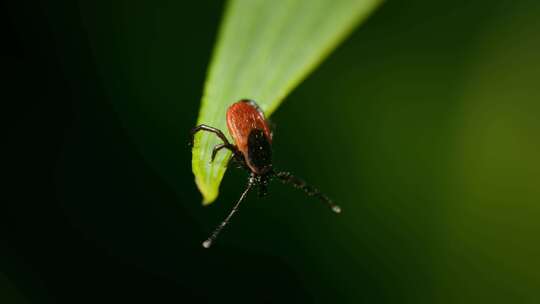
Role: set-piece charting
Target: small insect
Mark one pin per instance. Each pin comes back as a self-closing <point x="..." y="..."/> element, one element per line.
<point x="252" y="150"/>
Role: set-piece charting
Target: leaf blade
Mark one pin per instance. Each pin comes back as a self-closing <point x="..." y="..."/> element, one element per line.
<point x="264" y="50"/>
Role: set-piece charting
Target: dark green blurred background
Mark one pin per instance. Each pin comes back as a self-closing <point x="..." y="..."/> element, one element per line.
<point x="423" y="126"/>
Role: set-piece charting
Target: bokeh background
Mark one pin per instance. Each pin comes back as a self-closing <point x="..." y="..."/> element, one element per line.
<point x="424" y="126"/>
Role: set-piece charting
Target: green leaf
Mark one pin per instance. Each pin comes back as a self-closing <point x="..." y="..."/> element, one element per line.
<point x="265" y="48"/>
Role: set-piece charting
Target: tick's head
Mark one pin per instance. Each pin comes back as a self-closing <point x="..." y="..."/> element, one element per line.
<point x="262" y="181"/>
<point x="259" y="152"/>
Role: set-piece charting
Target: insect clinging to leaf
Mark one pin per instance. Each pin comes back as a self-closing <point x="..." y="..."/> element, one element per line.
<point x="252" y="150"/>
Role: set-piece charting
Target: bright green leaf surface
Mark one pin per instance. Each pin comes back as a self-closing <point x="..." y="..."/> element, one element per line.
<point x="264" y="49"/>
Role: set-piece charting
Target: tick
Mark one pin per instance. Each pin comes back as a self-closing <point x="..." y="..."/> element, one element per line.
<point x="252" y="150"/>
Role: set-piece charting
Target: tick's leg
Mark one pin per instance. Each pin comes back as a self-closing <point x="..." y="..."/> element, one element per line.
<point x="207" y="129"/>
<point x="288" y="178"/>
<point x="213" y="236"/>
<point x="239" y="161"/>
<point x="222" y="146"/>
<point x="263" y="187"/>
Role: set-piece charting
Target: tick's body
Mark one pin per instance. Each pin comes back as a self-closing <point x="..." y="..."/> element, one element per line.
<point x="252" y="149"/>
<point x="251" y="134"/>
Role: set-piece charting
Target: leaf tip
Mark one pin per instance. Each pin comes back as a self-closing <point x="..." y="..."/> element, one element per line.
<point x="209" y="193"/>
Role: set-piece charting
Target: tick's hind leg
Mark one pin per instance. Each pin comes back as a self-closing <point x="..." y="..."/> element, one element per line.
<point x="238" y="159"/>
<point x="217" y="148"/>
<point x="208" y="129"/>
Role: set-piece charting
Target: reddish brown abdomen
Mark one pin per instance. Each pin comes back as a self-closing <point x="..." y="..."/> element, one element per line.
<point x="242" y="118"/>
